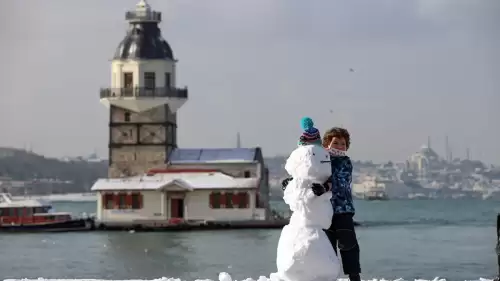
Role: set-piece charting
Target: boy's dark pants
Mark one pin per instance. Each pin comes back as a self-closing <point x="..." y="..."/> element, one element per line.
<point x="341" y="233"/>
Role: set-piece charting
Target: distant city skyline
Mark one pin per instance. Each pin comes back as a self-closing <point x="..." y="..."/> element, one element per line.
<point x="392" y="72"/>
<point x="447" y="154"/>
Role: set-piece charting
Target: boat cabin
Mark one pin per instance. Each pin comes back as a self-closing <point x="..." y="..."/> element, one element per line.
<point x="26" y="212"/>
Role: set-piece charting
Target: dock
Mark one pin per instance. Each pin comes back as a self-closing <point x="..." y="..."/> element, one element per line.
<point x="91" y="224"/>
<point x="277" y="222"/>
<point x="152" y="225"/>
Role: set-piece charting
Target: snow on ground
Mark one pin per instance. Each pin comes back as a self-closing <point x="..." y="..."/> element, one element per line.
<point x="223" y="276"/>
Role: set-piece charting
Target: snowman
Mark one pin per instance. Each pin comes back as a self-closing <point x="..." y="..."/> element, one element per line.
<point x="304" y="252"/>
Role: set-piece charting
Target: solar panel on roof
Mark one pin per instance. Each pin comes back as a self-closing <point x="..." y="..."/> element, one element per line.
<point x="187" y="154"/>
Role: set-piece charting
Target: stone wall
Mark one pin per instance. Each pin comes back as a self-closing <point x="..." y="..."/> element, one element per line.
<point x="140" y="141"/>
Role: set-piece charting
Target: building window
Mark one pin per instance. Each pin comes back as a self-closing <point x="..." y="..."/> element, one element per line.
<point x="128" y="80"/>
<point x="240" y="200"/>
<point x="228" y="200"/>
<point x="247" y="174"/>
<point x="136" y="201"/>
<point x="149" y="80"/>
<point x="122" y="201"/>
<point x="126" y="116"/>
<point x="243" y="200"/>
<point x="222" y="200"/>
<point x="215" y="200"/>
<point x="108" y="201"/>
<point x="235" y="199"/>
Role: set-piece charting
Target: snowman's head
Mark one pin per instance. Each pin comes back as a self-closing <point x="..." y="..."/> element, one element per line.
<point x="309" y="162"/>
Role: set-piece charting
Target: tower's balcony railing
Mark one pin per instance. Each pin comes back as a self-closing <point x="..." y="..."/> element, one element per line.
<point x="165" y="92"/>
<point x="134" y="16"/>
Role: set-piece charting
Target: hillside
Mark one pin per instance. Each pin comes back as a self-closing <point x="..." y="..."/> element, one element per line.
<point x="22" y="165"/>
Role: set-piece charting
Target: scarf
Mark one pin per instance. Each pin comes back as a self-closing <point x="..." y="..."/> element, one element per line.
<point x="336" y="153"/>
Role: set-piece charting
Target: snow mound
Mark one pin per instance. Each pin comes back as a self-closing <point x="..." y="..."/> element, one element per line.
<point x="223" y="276"/>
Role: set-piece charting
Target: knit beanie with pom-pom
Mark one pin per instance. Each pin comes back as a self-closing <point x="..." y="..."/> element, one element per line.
<point x="310" y="135"/>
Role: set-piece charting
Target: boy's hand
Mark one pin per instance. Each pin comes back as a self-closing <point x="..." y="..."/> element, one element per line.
<point x="285" y="182"/>
<point x="318" y="189"/>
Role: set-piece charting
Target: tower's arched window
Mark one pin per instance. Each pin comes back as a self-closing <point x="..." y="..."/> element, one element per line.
<point x="126" y="116"/>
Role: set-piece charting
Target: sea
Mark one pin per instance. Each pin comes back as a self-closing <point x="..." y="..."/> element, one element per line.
<point x="409" y="239"/>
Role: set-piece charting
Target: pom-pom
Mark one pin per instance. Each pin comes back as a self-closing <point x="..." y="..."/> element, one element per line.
<point x="306" y="123"/>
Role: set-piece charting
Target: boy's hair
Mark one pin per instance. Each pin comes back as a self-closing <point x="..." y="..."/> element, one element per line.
<point x="337" y="132"/>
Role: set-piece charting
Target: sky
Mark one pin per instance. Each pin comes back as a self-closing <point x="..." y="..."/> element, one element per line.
<point x="421" y="68"/>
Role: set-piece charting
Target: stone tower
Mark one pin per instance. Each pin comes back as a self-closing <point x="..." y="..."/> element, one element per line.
<point x="142" y="98"/>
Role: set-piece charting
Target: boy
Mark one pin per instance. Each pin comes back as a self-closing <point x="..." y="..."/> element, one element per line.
<point x="341" y="233"/>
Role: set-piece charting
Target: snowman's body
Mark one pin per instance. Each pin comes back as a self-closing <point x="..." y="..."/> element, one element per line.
<point x="304" y="251"/>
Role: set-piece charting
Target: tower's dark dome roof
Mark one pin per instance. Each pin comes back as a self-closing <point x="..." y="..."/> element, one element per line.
<point x="144" y="41"/>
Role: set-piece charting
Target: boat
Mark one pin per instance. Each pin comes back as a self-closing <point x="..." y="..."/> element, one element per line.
<point x="418" y="196"/>
<point x="36" y="215"/>
<point x="376" y="195"/>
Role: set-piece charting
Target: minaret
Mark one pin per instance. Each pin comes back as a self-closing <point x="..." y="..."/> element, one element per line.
<point x="238" y="140"/>
<point x="447" y="149"/>
<point x="142" y="98"/>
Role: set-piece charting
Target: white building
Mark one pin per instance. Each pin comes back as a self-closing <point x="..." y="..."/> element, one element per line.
<point x="142" y="99"/>
<point x="198" y="184"/>
<point x="237" y="162"/>
<point x="423" y="162"/>
<point x="177" y="195"/>
<point x="151" y="179"/>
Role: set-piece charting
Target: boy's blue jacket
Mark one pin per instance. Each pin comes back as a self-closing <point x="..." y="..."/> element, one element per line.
<point x="341" y="185"/>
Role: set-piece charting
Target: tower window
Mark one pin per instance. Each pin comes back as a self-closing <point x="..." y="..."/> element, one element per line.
<point x="128" y="80"/>
<point x="247" y="174"/>
<point x="167" y="80"/>
<point x="126" y="116"/>
<point x="149" y="80"/>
